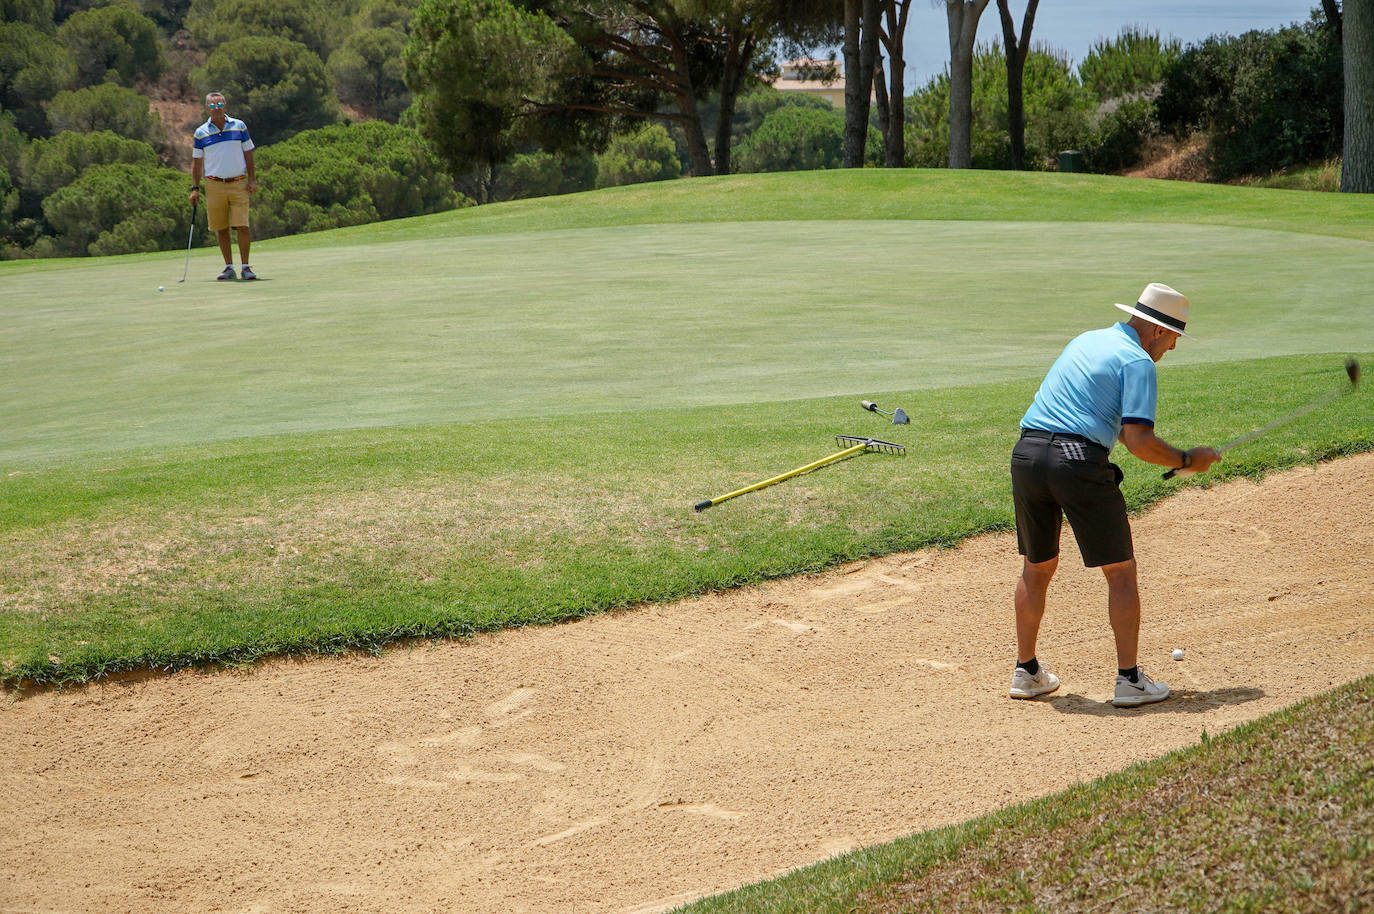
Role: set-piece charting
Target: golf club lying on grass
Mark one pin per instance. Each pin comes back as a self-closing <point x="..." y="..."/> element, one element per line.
<point x="1352" y="370"/>
<point x="189" y="236"/>
<point x="899" y="416"/>
<point x="851" y="445"/>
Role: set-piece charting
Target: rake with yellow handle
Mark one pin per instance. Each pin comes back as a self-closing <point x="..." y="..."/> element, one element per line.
<point x="852" y="446"/>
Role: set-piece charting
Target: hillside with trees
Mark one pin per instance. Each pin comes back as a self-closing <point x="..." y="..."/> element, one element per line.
<point x="365" y="110"/>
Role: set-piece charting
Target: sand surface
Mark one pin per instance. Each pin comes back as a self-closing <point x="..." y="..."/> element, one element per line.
<point x="634" y="761"/>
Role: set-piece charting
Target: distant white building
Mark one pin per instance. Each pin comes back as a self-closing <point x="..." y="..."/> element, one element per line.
<point x="822" y="78"/>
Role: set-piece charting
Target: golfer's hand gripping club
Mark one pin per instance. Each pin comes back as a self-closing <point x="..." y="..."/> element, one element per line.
<point x="1352" y="372"/>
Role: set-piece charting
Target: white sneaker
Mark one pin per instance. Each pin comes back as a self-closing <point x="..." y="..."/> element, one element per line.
<point x="1024" y="685"/>
<point x="1143" y="691"/>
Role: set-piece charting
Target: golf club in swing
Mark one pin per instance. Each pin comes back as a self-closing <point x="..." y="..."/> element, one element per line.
<point x="852" y="446"/>
<point x="189" y="236"/>
<point x="1352" y="370"/>
<point x="899" y="416"/>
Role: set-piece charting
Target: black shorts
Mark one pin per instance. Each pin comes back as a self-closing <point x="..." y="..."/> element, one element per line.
<point x="1053" y="475"/>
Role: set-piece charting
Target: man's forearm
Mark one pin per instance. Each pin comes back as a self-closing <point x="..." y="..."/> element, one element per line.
<point x="1142" y="441"/>
<point x="197" y="170"/>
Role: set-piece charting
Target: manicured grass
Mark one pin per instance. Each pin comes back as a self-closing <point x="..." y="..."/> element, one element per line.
<point x="623" y="318"/>
<point x="226" y="552"/>
<point x="906" y="194"/>
<point x="501" y="417"/>
<point x="1276" y="815"/>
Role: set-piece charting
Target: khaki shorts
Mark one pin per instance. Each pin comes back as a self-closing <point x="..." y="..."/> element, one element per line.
<point x="226" y="203"/>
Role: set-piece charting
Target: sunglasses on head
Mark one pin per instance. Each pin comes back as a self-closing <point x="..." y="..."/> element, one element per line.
<point x="217" y="104"/>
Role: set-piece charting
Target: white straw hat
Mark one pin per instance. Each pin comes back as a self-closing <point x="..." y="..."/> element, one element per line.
<point x="1161" y="305"/>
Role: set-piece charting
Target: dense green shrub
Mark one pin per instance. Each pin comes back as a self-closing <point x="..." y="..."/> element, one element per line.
<point x="9" y="203"/>
<point x="113" y="44"/>
<point x="106" y="107"/>
<point x="52" y="164"/>
<point x="118" y="209"/>
<point x="1266" y="100"/>
<point x="1059" y="113"/>
<point x="13" y="142"/>
<point x="648" y="154"/>
<point x="800" y="138"/>
<point x="34" y="67"/>
<point x="1134" y="61"/>
<point x="347" y="175"/>
<point x="368" y="72"/>
<point x="278" y="87"/>
<point x="37" y="13"/>
<point x="386" y="14"/>
<point x="218" y="22"/>
<point x="1126" y="126"/>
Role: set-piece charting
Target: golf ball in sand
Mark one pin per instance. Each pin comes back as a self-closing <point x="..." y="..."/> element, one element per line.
<point x="1178" y="653"/>
<point x="159" y="288"/>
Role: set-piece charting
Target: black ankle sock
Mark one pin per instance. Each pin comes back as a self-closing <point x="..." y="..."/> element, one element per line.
<point x="1031" y="666"/>
<point x="1133" y="674"/>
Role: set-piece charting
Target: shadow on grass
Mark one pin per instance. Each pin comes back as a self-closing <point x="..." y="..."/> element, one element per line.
<point x="1180" y="701"/>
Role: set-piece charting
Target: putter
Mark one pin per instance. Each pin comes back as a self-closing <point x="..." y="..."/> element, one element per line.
<point x="1352" y="370"/>
<point x="189" y="236"/>
<point x="899" y="416"/>
<point x="851" y="445"/>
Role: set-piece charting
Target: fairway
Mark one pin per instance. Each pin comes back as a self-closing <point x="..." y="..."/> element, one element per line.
<point x="565" y="322"/>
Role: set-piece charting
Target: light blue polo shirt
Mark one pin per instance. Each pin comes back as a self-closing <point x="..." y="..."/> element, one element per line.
<point x="1102" y="380"/>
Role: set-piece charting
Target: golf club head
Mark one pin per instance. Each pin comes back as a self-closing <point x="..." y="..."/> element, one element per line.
<point x="899" y="417"/>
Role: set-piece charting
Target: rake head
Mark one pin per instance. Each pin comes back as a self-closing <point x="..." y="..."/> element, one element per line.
<point x="871" y="444"/>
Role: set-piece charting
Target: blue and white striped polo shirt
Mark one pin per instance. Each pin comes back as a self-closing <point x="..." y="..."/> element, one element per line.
<point x="1102" y="380"/>
<point x="223" y="149"/>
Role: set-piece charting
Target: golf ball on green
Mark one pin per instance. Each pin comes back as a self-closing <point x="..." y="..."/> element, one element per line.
<point x="159" y="288"/>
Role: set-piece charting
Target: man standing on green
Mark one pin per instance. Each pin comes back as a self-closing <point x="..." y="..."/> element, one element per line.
<point x="223" y="154"/>
<point x="1100" y="390"/>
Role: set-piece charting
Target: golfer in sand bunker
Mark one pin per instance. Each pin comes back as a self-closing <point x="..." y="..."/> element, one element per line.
<point x="1101" y="390"/>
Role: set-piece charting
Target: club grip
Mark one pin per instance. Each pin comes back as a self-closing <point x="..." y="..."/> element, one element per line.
<point x="1169" y="474"/>
<point x="868" y="405"/>
<point x="702" y="505"/>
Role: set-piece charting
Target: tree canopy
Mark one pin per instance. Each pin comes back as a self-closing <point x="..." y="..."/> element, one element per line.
<point x="106" y="107"/>
<point x="347" y="175"/>
<point x="216" y="22"/>
<point x="113" y="44"/>
<point x="92" y="215"/>
<point x="369" y="73"/>
<point x="277" y="86"/>
<point x="52" y="164"/>
<point x="34" y="67"/>
<point x="478" y="71"/>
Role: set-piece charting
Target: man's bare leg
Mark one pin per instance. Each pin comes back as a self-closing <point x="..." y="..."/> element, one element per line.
<point x="1030" y="604"/>
<point x="224" y="246"/>
<point x="1123" y="608"/>
<point x="245" y="241"/>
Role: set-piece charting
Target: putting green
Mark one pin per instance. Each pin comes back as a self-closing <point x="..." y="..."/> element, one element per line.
<point x="541" y="323"/>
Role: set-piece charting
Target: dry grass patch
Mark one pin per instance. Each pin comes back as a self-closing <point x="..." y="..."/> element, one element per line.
<point x="275" y="542"/>
<point x="1281" y="819"/>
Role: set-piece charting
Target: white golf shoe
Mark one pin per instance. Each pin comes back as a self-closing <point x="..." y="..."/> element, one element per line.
<point x="1143" y="691"/>
<point x="1024" y="685"/>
